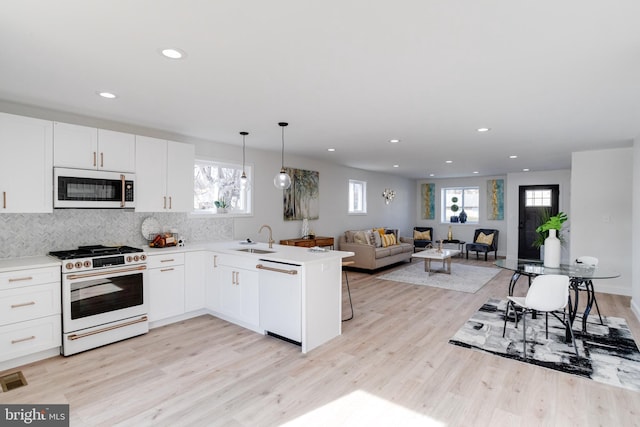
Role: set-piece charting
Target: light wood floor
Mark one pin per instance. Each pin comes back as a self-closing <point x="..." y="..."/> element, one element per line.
<point x="391" y="366"/>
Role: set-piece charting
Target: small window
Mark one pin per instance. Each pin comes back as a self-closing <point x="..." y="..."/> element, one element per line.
<point x="357" y="197"/>
<point x="541" y="198"/>
<point x="455" y="200"/>
<point x="220" y="182"/>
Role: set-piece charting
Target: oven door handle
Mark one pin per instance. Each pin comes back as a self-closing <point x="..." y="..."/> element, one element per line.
<point x="105" y="273"/>
<point x="74" y="337"/>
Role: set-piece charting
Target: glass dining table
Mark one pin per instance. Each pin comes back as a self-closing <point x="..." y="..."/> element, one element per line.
<point x="579" y="274"/>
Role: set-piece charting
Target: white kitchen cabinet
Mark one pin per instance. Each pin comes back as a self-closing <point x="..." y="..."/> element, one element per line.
<point x="85" y="147"/>
<point x="239" y="297"/>
<point x="198" y="273"/>
<point x="166" y="286"/>
<point x="25" y="165"/>
<point x="30" y="307"/>
<point x="164" y="175"/>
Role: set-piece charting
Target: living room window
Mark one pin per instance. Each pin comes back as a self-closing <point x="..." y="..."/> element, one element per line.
<point x="216" y="181"/>
<point x="357" y="197"/>
<point x="457" y="199"/>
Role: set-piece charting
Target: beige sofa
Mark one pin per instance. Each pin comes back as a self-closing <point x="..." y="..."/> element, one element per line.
<point x="371" y="255"/>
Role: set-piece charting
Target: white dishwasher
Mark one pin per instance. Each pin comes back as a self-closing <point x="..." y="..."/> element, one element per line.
<point x="280" y="289"/>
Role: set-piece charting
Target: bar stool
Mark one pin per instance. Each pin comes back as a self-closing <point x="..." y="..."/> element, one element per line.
<point x="345" y="263"/>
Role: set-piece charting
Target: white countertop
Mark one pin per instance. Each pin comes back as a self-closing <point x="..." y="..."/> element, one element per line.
<point x="24" y="263"/>
<point x="281" y="253"/>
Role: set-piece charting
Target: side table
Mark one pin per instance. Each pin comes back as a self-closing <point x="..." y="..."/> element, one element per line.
<point x="309" y="243"/>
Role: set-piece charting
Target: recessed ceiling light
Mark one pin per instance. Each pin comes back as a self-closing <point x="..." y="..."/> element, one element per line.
<point x="525" y="170"/>
<point x="394" y="141"/>
<point x="484" y="129"/>
<point x="476" y="172"/>
<point x="448" y="161"/>
<point x="107" y="95"/>
<point x="513" y="156"/>
<point x="173" y="53"/>
<point x="432" y="174"/>
<point x="396" y="166"/>
<point x="331" y="149"/>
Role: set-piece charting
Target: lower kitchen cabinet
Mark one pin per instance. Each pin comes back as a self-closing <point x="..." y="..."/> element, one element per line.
<point x="237" y="284"/>
<point x="198" y="273"/>
<point x="30" y="307"/>
<point x="166" y="286"/>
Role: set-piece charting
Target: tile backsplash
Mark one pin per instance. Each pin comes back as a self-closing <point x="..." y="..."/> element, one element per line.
<point x="38" y="234"/>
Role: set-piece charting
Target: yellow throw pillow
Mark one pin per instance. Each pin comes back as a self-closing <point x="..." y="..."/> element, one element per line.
<point x="380" y="231"/>
<point x="484" y="238"/>
<point x="388" y="240"/>
<point x="422" y="235"/>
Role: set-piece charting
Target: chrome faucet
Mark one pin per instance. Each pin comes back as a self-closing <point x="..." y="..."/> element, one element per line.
<point x="270" y="235"/>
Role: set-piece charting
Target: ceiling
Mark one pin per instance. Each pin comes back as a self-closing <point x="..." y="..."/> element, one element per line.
<point x="547" y="77"/>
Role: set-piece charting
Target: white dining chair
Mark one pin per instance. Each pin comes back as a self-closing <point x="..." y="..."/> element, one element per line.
<point x="548" y="293"/>
<point x="587" y="285"/>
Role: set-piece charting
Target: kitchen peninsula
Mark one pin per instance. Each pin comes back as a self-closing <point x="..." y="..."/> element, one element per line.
<point x="290" y="292"/>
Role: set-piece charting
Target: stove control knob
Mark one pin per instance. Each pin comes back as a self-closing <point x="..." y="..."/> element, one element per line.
<point x="136" y="258"/>
<point x="78" y="264"/>
<point x="129" y="258"/>
<point x="69" y="266"/>
<point x="87" y="263"/>
<point x="143" y="257"/>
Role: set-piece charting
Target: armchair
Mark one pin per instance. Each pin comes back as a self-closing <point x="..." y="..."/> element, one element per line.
<point x="421" y="242"/>
<point x="484" y="240"/>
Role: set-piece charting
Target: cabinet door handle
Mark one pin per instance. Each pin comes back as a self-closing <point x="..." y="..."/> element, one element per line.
<point x="101" y="160"/>
<point x="170" y="202"/>
<point x="94" y="159"/>
<point x="20" y="279"/>
<point x="164" y="205"/>
<point x="166" y="269"/>
<point x="24" y="304"/>
<point x="167" y="260"/>
<point x="238" y="278"/>
<point x="4" y="200"/>
<point x="32" y="337"/>
<point x="215" y="261"/>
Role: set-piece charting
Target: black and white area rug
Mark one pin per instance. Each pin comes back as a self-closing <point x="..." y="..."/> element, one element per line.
<point x="608" y="354"/>
<point x="463" y="277"/>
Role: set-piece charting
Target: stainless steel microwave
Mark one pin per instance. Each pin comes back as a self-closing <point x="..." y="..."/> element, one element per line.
<point x="80" y="188"/>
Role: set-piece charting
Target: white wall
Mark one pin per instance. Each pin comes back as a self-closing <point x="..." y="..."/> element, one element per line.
<point x="601" y="212"/>
<point x="635" y="231"/>
<point x="461" y="231"/>
<point x="514" y="181"/>
<point x="333" y="219"/>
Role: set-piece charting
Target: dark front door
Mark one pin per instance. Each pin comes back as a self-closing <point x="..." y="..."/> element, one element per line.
<point x="535" y="202"/>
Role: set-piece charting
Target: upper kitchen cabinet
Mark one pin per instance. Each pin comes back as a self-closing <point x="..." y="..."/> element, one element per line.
<point x="84" y="147"/>
<point x="164" y="175"/>
<point x="25" y="165"/>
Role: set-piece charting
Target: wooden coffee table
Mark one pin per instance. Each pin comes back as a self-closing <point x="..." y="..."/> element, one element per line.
<point x="433" y="254"/>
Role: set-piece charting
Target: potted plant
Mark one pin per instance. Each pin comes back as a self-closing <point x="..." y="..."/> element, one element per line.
<point x="549" y="236"/>
<point x="221" y="206"/>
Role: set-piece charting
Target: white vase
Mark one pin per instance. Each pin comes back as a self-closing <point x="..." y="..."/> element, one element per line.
<point x="552" y="250"/>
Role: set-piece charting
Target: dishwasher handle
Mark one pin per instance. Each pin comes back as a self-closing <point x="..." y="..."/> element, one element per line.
<point x="277" y="270"/>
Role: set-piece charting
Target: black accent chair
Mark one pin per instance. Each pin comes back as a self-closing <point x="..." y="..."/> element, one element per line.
<point x="483" y="247"/>
<point x="422" y="243"/>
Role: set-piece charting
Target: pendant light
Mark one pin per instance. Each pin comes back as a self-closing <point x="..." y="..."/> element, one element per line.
<point x="282" y="181"/>
<point x="244" y="181"/>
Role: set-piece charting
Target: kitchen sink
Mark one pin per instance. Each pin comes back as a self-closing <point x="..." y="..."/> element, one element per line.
<point x="255" y="251"/>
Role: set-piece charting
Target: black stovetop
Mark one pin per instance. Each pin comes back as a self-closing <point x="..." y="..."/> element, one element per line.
<point x="94" y="251"/>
